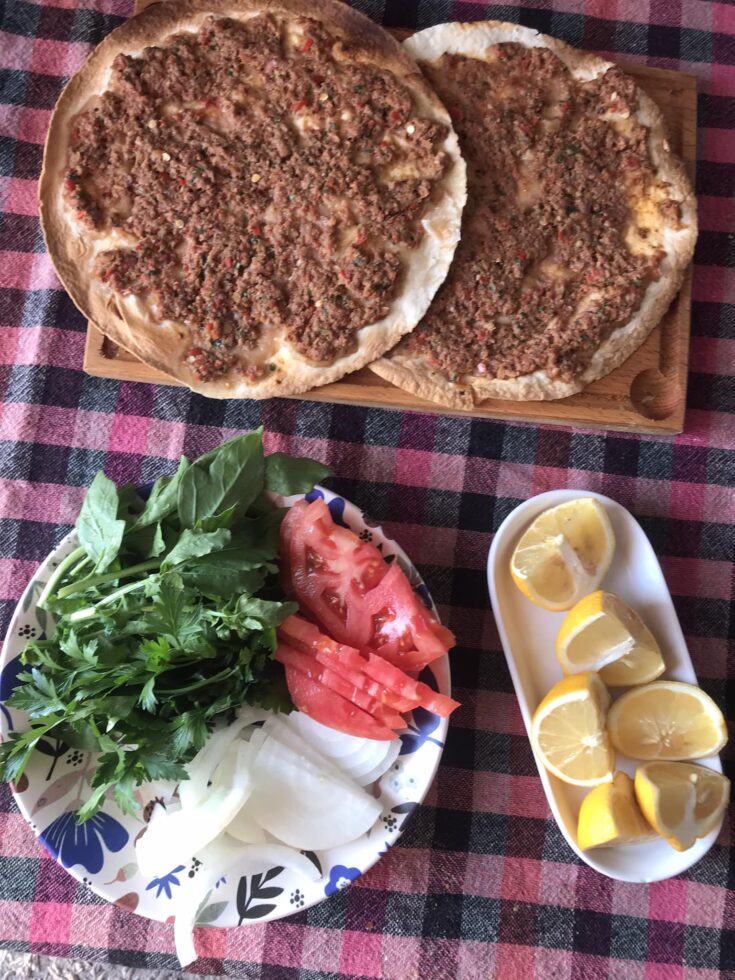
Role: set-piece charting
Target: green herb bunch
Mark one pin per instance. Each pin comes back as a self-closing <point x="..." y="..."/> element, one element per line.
<point x="165" y="618"/>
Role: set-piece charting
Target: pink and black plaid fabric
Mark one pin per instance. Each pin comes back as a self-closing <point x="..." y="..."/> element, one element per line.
<point x="482" y="883"/>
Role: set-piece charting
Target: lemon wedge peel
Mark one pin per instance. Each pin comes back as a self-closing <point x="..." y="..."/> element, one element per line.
<point x="568" y="731"/>
<point x="603" y="633"/>
<point x="564" y="554"/>
<point x="682" y="801"/>
<point x="610" y="816"/>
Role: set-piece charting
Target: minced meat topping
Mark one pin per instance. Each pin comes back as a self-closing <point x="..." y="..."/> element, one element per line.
<point x="265" y="185"/>
<point x="544" y="271"/>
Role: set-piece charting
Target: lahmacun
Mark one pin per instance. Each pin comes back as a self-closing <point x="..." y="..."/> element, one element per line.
<point x="579" y="224"/>
<point x="254" y="197"/>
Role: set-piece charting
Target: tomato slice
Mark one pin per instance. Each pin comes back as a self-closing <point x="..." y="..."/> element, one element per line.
<point x="395" y="679"/>
<point x="302" y="635"/>
<point x="323" y="705"/>
<point x="404" y="631"/>
<point x="331" y="570"/>
<point x="363" y="682"/>
<point x="359" y="599"/>
<point x="335" y="682"/>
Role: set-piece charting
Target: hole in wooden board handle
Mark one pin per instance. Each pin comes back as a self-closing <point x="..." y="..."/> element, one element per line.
<point x="653" y="394"/>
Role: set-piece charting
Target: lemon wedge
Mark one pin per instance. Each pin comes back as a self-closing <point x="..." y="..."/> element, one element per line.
<point x="666" y="720"/>
<point x="603" y="633"/>
<point x="564" y="554"/>
<point x="682" y="801"/>
<point x="568" y="731"/>
<point x="610" y="815"/>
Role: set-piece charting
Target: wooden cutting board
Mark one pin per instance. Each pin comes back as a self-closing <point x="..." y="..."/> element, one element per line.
<point x="646" y="394"/>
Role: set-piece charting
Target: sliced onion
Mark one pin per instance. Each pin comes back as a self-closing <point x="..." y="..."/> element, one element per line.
<point x="234" y="770"/>
<point x="224" y="773"/>
<point x="332" y="743"/>
<point x="184" y="931"/>
<point x="354" y="756"/>
<point x="368" y="778"/>
<point x="194" y="789"/>
<point x="295" y="781"/>
<point x="276" y="728"/>
<point x="246" y="829"/>
<point x="303" y="805"/>
<point x="260" y="857"/>
<point x="218" y="858"/>
<point x="184" y="833"/>
<point x="371" y="756"/>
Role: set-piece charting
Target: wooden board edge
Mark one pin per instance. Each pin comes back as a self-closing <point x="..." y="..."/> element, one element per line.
<point x="388" y="397"/>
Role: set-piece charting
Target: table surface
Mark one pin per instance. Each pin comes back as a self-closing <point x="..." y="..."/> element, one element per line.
<point x="482" y="883"/>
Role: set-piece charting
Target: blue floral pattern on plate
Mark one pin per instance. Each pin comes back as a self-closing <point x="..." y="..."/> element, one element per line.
<point x="336" y="506"/>
<point x="164" y="884"/>
<point x="340" y="877"/>
<point x="72" y="843"/>
<point x="9" y="678"/>
<point x="423" y="723"/>
<point x="101" y="853"/>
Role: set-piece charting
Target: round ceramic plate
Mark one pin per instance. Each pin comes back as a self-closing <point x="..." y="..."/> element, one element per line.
<point x="101" y="852"/>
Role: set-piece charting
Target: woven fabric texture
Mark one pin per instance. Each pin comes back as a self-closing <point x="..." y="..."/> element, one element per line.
<point x="482" y="883"/>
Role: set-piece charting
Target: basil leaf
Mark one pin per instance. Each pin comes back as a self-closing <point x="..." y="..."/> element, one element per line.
<point x="146" y="542"/>
<point x="206" y="458"/>
<point x="257" y="613"/>
<point x="162" y="499"/>
<point x="235" y="476"/>
<point x="257" y="538"/>
<point x="195" y="544"/>
<point x="216" y="580"/>
<point x="293" y="474"/>
<point x="130" y="504"/>
<point x="98" y="528"/>
<point x="223" y="519"/>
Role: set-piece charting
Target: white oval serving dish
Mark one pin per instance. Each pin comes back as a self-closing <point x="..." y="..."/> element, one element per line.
<point x="528" y="635"/>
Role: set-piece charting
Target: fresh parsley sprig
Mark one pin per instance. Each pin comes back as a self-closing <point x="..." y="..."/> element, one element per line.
<point x="165" y="619"/>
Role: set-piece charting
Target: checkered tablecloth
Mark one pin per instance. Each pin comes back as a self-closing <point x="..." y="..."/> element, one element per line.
<point x="482" y="883"/>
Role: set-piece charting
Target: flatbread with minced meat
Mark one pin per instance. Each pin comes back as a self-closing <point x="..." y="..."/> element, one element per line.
<point x="255" y="197"/>
<point x="578" y="227"/>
